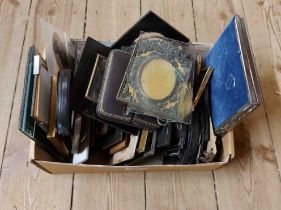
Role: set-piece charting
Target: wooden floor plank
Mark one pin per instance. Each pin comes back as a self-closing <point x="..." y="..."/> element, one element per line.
<point x="266" y="16"/>
<point x="212" y="16"/>
<point x="23" y="186"/>
<point x="107" y="20"/>
<point x="13" y="21"/>
<point x="109" y="191"/>
<point x="251" y="180"/>
<point x="178" y="190"/>
<point x="180" y="15"/>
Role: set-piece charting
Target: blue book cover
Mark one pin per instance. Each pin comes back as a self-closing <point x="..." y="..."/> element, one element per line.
<point x="229" y="88"/>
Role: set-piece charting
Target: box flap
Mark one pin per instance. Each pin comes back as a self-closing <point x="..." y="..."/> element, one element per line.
<point x="41" y="159"/>
<point x="31" y="150"/>
<point x="228" y="151"/>
<point x="66" y="168"/>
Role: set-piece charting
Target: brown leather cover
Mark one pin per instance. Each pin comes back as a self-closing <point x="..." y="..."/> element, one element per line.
<point x="108" y="108"/>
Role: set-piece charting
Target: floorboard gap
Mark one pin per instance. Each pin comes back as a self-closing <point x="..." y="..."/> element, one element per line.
<point x="144" y="177"/>
<point x="215" y="189"/>
<point x="194" y="24"/>
<point x="85" y="20"/>
<point x="140" y="9"/>
<point x="72" y="190"/>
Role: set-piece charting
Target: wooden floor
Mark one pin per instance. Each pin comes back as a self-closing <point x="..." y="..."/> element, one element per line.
<point x="250" y="181"/>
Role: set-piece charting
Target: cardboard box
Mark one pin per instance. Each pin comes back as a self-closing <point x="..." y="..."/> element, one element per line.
<point x="150" y="22"/>
<point x="44" y="161"/>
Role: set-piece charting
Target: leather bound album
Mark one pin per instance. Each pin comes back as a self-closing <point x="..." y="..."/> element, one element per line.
<point x="235" y="90"/>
